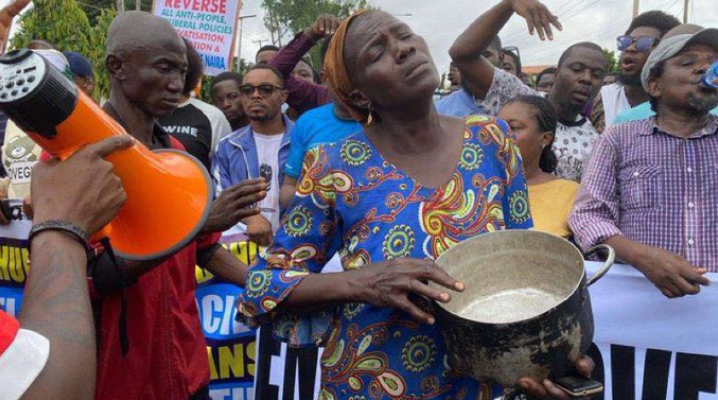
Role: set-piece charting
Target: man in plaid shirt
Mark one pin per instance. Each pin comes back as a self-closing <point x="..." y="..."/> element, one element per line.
<point x="649" y="189"/>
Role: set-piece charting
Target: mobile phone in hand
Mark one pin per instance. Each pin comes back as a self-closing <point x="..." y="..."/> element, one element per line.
<point x="578" y="386"/>
<point x="265" y="171"/>
<point x="11" y="209"/>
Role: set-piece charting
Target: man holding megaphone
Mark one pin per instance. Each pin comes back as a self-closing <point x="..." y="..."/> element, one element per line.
<point x="151" y="345"/>
<point x="158" y="350"/>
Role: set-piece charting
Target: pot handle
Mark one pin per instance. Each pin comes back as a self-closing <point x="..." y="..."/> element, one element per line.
<point x="606" y="265"/>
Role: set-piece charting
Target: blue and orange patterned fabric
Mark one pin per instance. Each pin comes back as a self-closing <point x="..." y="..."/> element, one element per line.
<point x="352" y="201"/>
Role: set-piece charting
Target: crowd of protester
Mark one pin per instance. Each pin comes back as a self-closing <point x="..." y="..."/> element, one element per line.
<point x="356" y="160"/>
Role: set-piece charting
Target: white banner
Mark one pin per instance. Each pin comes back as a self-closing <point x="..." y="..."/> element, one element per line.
<point x="210" y="25"/>
<point x="652" y="347"/>
<point x="648" y="347"/>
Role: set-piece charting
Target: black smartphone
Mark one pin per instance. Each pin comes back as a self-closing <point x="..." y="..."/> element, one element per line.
<point x="578" y="386"/>
<point x="265" y="171"/>
<point x="11" y="209"/>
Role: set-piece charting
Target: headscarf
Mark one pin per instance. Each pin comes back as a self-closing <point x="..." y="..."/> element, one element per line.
<point x="336" y="70"/>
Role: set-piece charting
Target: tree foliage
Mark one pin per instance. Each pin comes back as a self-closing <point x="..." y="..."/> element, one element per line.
<point x="205" y="93"/>
<point x="289" y="17"/>
<point x="611" y="60"/>
<point x="65" y="25"/>
<point x="60" y="22"/>
<point x="98" y="50"/>
<point x="94" y="8"/>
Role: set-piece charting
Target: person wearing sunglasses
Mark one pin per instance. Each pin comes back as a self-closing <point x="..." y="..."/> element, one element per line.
<point x="649" y="190"/>
<point x="641" y="37"/>
<point x="259" y="150"/>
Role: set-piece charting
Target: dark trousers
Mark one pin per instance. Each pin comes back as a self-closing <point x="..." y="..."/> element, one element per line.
<point x="202" y="394"/>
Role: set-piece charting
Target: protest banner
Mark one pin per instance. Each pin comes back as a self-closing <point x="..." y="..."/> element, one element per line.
<point x="211" y="26"/>
<point x="647" y="347"/>
<point x="247" y="363"/>
<point x="231" y="346"/>
<point x="14" y="261"/>
<point x="651" y="347"/>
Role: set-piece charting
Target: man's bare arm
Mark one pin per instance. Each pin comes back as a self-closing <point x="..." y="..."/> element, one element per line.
<point x="57" y="306"/>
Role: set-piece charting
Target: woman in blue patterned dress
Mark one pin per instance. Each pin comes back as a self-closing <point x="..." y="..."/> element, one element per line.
<point x="389" y="200"/>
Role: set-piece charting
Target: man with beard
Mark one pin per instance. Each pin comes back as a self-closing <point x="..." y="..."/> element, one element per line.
<point x="661" y="169"/>
<point x="260" y="150"/>
<point x="644" y="110"/>
<point x="641" y="37"/>
<point x="463" y="102"/>
<point x="578" y="78"/>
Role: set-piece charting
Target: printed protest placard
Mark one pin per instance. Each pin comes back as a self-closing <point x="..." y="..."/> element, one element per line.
<point x="210" y="25"/>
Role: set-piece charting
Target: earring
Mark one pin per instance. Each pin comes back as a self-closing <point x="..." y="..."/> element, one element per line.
<point x="370" y="118"/>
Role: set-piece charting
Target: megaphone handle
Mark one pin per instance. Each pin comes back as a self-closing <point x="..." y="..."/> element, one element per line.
<point x="102" y="234"/>
<point x="122" y="322"/>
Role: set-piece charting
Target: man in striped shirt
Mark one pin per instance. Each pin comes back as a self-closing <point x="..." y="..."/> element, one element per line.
<point x="649" y="189"/>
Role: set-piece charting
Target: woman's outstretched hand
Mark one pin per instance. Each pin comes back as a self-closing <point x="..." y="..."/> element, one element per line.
<point x="389" y="284"/>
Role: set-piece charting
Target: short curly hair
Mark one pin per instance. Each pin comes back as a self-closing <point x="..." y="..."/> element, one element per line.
<point x="654" y="19"/>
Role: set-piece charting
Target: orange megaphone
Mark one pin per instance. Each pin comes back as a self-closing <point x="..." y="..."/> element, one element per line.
<point x="168" y="191"/>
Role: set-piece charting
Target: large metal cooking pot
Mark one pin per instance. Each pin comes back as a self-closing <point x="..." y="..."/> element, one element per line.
<point x="526" y="311"/>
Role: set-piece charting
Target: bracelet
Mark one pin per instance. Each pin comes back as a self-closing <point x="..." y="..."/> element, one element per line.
<point x="75" y="231"/>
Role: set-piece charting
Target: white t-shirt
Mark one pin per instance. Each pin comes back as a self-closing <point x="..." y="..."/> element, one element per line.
<point x="21" y="363"/>
<point x="614" y="102"/>
<point x="574" y="141"/>
<point x="19" y="155"/>
<point x="268" y="157"/>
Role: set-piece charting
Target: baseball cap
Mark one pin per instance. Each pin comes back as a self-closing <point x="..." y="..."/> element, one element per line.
<point x="670" y="47"/>
<point x="79" y="65"/>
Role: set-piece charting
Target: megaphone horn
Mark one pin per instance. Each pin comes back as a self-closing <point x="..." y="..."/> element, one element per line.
<point x="168" y="191"/>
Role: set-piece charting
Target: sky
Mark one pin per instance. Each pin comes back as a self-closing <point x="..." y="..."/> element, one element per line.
<point x="441" y="21"/>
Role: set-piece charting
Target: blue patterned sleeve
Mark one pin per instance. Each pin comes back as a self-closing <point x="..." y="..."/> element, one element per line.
<point x="516" y="199"/>
<point x="296" y="150"/>
<point x="305" y="242"/>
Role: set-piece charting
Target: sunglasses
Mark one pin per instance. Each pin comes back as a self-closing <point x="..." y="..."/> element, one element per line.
<point x="264" y="90"/>
<point x="643" y="43"/>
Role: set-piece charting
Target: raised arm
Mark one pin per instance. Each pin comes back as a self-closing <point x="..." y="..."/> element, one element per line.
<point x="303" y="96"/>
<point x="466" y="52"/>
<point x="289" y="56"/>
<point x="6" y="16"/>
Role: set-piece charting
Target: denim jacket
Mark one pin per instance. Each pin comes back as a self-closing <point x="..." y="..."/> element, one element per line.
<point x="236" y="159"/>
